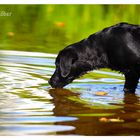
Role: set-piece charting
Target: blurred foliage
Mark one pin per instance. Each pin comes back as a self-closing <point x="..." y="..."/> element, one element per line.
<point x="49" y="28"/>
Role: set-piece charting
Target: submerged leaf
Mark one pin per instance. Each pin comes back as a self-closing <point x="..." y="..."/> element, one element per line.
<point x="110" y="120"/>
<point x="101" y="93"/>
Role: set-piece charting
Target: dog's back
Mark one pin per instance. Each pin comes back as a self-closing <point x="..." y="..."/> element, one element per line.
<point x="122" y="44"/>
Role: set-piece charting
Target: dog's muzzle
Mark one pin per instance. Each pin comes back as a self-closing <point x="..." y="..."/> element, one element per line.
<point x="52" y="83"/>
<point x="55" y="84"/>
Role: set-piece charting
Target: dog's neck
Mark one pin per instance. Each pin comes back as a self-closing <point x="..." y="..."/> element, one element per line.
<point x="94" y="54"/>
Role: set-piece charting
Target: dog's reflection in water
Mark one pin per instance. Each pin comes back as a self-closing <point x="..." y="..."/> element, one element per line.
<point x="129" y="111"/>
<point x="64" y="106"/>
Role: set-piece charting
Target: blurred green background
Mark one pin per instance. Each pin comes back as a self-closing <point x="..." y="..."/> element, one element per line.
<point x="49" y="28"/>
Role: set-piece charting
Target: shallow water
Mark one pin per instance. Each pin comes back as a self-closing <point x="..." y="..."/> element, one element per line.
<point x="28" y="105"/>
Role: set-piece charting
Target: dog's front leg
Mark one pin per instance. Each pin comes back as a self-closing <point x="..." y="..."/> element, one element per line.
<point x="131" y="81"/>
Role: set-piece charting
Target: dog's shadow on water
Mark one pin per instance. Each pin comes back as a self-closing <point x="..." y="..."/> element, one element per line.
<point x="128" y="111"/>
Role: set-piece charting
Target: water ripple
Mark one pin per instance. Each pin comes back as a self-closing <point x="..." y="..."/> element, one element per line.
<point x="27" y="106"/>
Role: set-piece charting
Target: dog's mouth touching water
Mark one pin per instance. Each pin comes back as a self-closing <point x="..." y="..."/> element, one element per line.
<point x="60" y="83"/>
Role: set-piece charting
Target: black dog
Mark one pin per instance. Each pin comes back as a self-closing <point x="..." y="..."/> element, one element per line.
<point x="116" y="47"/>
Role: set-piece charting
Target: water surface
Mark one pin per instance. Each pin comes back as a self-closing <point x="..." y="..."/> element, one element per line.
<point x="28" y="105"/>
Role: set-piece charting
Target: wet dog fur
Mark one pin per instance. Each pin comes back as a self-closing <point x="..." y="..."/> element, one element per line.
<point x="116" y="47"/>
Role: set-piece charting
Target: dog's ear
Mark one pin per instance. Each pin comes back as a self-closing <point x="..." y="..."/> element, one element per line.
<point x="66" y="62"/>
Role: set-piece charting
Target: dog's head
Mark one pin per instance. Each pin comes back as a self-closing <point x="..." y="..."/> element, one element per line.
<point x="69" y="66"/>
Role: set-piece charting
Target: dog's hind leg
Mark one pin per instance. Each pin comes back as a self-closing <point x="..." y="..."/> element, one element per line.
<point x="131" y="81"/>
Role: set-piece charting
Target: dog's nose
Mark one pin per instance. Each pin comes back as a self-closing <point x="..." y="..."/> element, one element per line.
<point x="49" y="81"/>
<point x="53" y="83"/>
